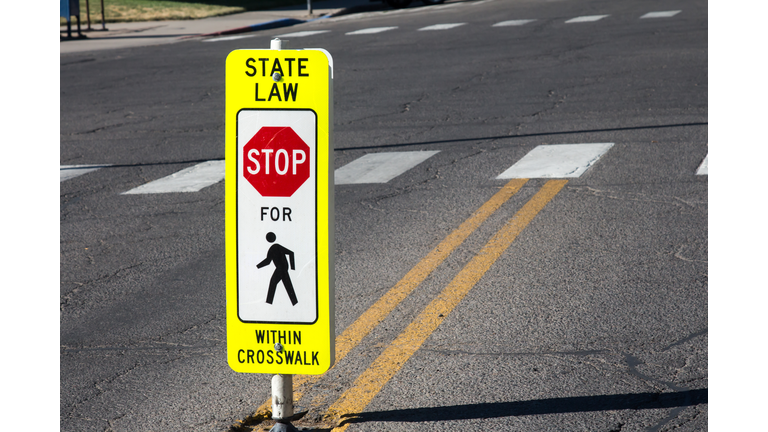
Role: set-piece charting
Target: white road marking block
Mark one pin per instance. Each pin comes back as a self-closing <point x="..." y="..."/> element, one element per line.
<point x="71" y="171"/>
<point x="380" y="167"/>
<point x="662" y="14"/>
<point x="372" y="30"/>
<point x="587" y="18"/>
<point x="704" y="167"/>
<point x="190" y="179"/>
<point x="556" y="161"/>
<point x="441" y="26"/>
<point x="303" y="33"/>
<point x="228" y="38"/>
<point x="513" y="23"/>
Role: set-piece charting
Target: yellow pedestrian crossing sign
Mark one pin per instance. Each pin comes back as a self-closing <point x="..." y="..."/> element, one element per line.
<point x="279" y="211"/>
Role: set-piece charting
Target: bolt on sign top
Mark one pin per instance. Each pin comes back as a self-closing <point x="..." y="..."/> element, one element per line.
<point x="279" y="211"/>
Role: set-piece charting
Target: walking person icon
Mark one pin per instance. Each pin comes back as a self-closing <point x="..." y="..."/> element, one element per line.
<point x="276" y="255"/>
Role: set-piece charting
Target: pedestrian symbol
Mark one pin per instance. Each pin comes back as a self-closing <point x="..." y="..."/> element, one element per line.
<point x="276" y="256"/>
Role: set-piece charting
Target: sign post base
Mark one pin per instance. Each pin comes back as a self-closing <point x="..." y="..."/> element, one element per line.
<point x="283" y="427"/>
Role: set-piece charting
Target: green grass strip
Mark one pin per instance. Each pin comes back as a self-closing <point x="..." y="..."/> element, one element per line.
<point x="163" y="10"/>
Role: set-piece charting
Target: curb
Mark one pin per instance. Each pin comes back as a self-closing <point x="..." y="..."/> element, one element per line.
<point x="282" y="22"/>
<point x="361" y="8"/>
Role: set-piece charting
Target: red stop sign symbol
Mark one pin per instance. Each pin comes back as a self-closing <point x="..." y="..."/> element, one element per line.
<point x="276" y="161"/>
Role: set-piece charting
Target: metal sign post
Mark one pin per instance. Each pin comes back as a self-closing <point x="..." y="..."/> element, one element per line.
<point x="279" y="216"/>
<point x="282" y="403"/>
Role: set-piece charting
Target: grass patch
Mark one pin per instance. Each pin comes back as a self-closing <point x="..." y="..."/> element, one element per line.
<point x="161" y="10"/>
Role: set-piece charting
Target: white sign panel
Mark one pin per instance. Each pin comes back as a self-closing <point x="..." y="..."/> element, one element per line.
<point x="276" y="216"/>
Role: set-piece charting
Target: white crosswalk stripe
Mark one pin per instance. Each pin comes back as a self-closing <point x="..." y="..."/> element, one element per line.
<point x="513" y="23"/>
<point x="372" y="30"/>
<point x="190" y="179"/>
<point x="662" y="14"/>
<point x="441" y="26"/>
<point x="380" y="167"/>
<point x="71" y="171"/>
<point x="587" y="18"/>
<point x="303" y="33"/>
<point x="704" y="167"/>
<point x="544" y="161"/>
<point x="556" y="161"/>
<point x="229" y="38"/>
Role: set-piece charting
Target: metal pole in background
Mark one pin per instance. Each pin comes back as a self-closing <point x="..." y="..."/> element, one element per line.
<point x="88" y="13"/>
<point x="103" y="21"/>
<point x="309" y="7"/>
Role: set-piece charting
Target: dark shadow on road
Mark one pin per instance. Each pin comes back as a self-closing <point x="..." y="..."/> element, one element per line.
<point x="500" y="137"/>
<point x="631" y="401"/>
<point x="72" y="166"/>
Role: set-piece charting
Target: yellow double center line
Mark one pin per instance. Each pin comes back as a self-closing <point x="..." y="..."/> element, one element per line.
<point x="371" y="318"/>
<point x="392" y="359"/>
<point x="370" y="382"/>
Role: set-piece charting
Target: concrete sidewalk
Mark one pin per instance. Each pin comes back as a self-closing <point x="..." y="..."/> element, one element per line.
<point x="135" y="34"/>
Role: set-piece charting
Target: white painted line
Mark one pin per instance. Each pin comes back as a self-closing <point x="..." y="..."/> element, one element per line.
<point x="380" y="167"/>
<point x="556" y="161"/>
<point x="441" y="26"/>
<point x="704" y="167"/>
<point x="228" y="38"/>
<point x="304" y="33"/>
<point x="663" y="14"/>
<point x="71" y="171"/>
<point x="588" y="18"/>
<point x="513" y="23"/>
<point x="372" y="30"/>
<point x="190" y="179"/>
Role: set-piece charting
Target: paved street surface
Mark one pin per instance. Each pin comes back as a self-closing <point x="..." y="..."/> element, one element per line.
<point x="521" y="224"/>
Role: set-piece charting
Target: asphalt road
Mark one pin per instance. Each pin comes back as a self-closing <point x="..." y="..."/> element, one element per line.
<point x="594" y="317"/>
